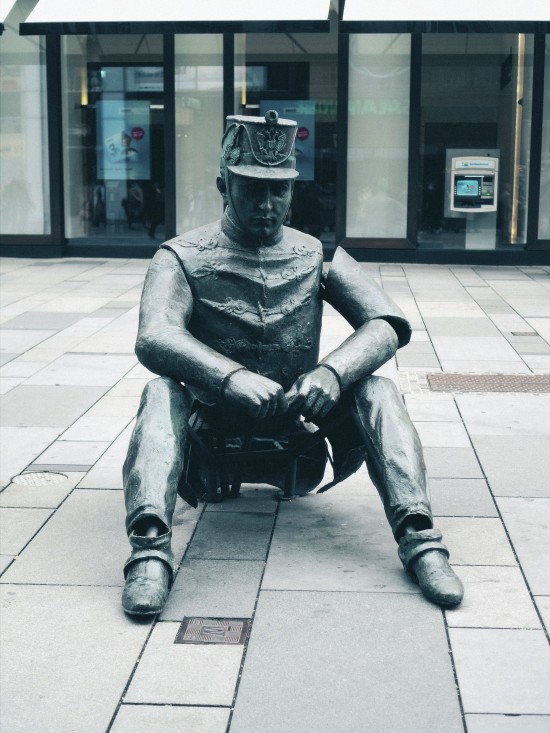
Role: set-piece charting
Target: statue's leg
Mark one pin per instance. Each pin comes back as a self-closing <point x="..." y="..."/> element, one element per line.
<point x="151" y="473"/>
<point x="396" y="465"/>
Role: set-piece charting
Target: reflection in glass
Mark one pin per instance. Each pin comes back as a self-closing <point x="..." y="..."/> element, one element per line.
<point x="544" y="205"/>
<point x="113" y="134"/>
<point x="199" y="125"/>
<point x="24" y="183"/>
<point x="378" y="135"/>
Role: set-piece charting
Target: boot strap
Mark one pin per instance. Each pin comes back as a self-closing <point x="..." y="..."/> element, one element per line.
<point x="413" y="545"/>
<point x="148" y="554"/>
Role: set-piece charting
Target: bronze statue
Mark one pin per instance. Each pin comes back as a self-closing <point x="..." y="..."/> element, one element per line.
<point x="230" y="318"/>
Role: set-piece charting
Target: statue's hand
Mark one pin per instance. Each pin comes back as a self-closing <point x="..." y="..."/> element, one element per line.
<point x="257" y="395"/>
<point x="314" y="394"/>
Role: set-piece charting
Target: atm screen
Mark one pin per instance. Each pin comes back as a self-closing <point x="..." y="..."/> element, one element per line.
<point x="467" y="187"/>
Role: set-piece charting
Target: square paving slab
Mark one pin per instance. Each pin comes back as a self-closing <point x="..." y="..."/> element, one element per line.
<point x="476" y="541"/>
<point x="341" y="663"/>
<point x="452" y="463"/>
<point x="528" y="523"/>
<point x="508" y="723"/>
<point x="461" y="497"/>
<point x="502" y="670"/>
<point x="184" y="674"/>
<point x="170" y="719"/>
<point x="78" y="653"/>
<point x="216" y="588"/>
<point x="334" y="544"/>
<point x="18" y="526"/>
<point x="45" y="407"/>
<point x="232" y="536"/>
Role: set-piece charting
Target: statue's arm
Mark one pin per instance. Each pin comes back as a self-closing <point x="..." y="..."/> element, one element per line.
<point x="381" y="327"/>
<point x="164" y="344"/>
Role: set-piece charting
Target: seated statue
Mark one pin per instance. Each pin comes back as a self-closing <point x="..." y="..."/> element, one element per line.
<point x="231" y="318"/>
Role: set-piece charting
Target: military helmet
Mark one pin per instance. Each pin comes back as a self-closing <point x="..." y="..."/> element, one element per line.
<point x="259" y="147"/>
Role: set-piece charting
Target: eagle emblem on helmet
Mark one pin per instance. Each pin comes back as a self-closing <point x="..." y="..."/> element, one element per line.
<point x="272" y="145"/>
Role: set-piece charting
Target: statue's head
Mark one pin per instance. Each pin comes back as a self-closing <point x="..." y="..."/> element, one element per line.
<point x="257" y="171"/>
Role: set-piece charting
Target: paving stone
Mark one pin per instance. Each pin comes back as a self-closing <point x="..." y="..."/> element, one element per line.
<point x="543" y="604"/>
<point x="45" y="407"/>
<point x="107" y="472"/>
<point x="541" y="326"/>
<point x="44" y="320"/>
<point x="452" y="463"/>
<point x="20" y="446"/>
<point x="342" y="543"/>
<point x="21" y="368"/>
<point x="9" y="383"/>
<point x="417" y="360"/>
<point x="486" y="348"/>
<point x="508" y="723"/>
<point x="505" y="414"/>
<point x="461" y="497"/>
<point x="18" y="526"/>
<point x="15" y="341"/>
<point x="469" y="366"/>
<point x="515" y="465"/>
<point x="502" y="670"/>
<point x="476" y="541"/>
<point x="232" y="536"/>
<point x="432" y="408"/>
<point x="356" y="655"/>
<point x="168" y="719"/>
<point x="84" y="370"/>
<point x="92" y="428"/>
<point x="528" y="524"/>
<point x="263" y="499"/>
<point x="71" y="451"/>
<point x="47" y="496"/>
<point x="55" y="680"/>
<point x="494" y="597"/>
<point x="5" y="358"/>
<point x="89" y="529"/>
<point x="184" y="674"/>
<point x="460" y="327"/>
<point x="442" y="434"/>
<point x="214" y="588"/>
<point x="5" y="561"/>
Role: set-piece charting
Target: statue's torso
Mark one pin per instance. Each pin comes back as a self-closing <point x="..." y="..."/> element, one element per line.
<point x="261" y="307"/>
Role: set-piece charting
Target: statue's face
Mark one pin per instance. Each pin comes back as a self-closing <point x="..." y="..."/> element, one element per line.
<point x="260" y="205"/>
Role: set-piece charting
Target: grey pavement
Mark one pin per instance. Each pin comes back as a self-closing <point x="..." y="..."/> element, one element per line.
<point x="341" y="640"/>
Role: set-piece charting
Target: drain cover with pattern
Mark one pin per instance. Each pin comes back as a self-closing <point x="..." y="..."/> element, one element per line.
<point x="532" y="383"/>
<point x="39" y="478"/>
<point x="212" y="631"/>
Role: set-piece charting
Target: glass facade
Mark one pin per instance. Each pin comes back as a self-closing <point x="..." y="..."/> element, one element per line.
<point x="544" y="203"/>
<point x="199" y="127"/>
<point x="113" y="138"/>
<point x="378" y="135"/>
<point x="475" y="109"/>
<point x="24" y="169"/>
<point x="296" y="74"/>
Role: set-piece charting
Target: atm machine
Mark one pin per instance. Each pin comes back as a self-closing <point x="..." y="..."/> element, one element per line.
<point x="472" y="193"/>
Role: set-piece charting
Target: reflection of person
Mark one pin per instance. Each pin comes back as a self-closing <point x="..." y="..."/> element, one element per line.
<point x="157" y="210"/>
<point x="133" y="204"/>
<point x="231" y="317"/>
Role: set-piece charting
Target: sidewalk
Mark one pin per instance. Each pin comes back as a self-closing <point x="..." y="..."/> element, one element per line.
<point x="341" y="641"/>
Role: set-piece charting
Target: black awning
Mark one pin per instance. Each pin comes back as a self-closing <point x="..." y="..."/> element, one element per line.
<point x="177" y="16"/>
<point x="446" y="16"/>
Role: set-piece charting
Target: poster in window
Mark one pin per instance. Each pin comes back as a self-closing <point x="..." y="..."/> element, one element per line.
<point x="303" y="111"/>
<point x="123" y="140"/>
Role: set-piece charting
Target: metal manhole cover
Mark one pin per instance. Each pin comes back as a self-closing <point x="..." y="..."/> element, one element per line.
<point x="532" y="383"/>
<point x="39" y="478"/>
<point x="213" y="631"/>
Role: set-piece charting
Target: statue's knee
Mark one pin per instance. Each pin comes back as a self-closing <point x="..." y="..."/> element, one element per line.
<point x="162" y="389"/>
<point x="376" y="389"/>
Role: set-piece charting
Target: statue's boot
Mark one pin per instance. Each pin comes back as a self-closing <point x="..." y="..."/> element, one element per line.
<point x="425" y="559"/>
<point x="149" y="573"/>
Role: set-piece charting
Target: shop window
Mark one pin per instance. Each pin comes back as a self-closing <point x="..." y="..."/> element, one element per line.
<point x="113" y="134"/>
<point x="199" y="127"/>
<point x="296" y="75"/>
<point x="378" y="135"/>
<point x="544" y="206"/>
<point x="475" y="137"/>
<point x="24" y="170"/>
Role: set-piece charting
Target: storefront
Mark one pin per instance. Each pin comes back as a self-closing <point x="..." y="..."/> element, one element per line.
<point x="419" y="139"/>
